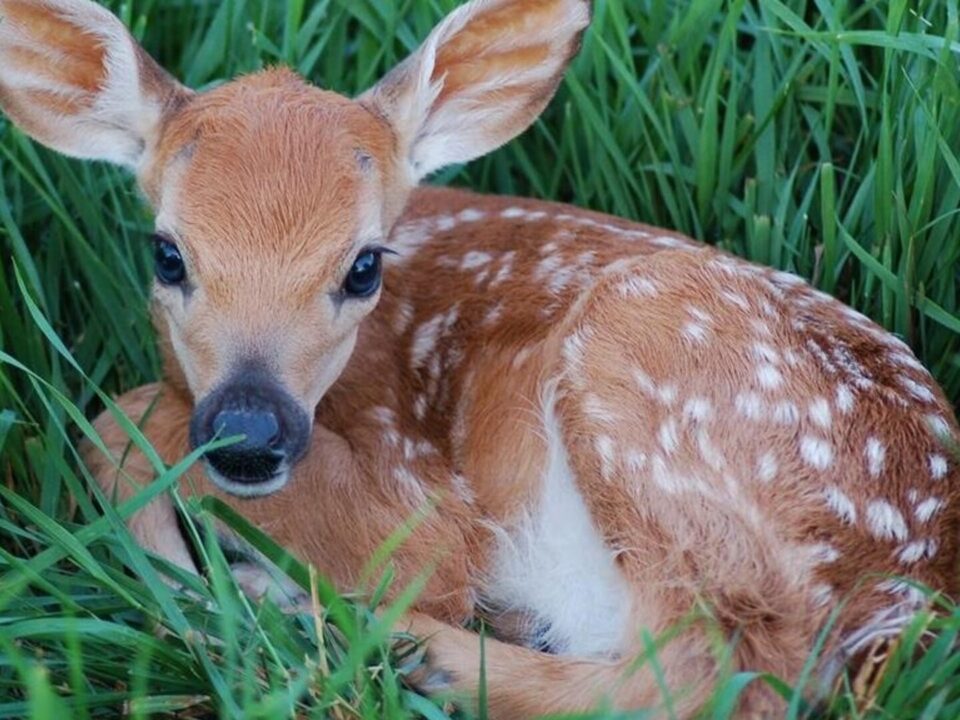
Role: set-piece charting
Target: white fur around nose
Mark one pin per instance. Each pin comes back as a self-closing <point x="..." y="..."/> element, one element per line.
<point x="553" y="564"/>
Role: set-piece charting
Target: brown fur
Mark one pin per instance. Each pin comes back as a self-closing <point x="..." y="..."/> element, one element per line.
<point x="750" y="451"/>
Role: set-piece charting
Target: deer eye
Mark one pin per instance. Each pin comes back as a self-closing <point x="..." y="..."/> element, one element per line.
<point x="364" y="276"/>
<point x="168" y="262"/>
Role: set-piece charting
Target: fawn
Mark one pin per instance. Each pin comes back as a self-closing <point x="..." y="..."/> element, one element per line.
<point x="614" y="425"/>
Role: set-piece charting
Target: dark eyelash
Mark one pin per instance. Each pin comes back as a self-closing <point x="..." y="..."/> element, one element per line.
<point x="382" y="249"/>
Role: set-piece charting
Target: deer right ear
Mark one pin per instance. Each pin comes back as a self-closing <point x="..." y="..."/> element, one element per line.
<point x="480" y="79"/>
<point x="73" y="78"/>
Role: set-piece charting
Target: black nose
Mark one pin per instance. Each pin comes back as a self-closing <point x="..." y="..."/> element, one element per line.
<point x="260" y="428"/>
<point x="273" y="429"/>
<point x="258" y="455"/>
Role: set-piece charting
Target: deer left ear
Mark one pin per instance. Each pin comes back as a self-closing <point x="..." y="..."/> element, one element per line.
<point x="480" y="79"/>
<point x="73" y="78"/>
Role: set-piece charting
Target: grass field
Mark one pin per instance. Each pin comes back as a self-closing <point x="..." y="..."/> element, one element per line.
<point x="820" y="137"/>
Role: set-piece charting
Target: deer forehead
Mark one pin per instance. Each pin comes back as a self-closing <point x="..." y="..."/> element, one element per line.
<point x="269" y="171"/>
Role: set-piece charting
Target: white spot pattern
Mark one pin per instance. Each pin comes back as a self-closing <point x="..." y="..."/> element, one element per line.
<point x="917" y="550"/>
<point x="927" y="509"/>
<point x="938" y="466"/>
<point x="767" y="467"/>
<point x="876" y="455"/>
<point x="816" y="452"/>
<point x="749" y="405"/>
<point x="668" y="436"/>
<point x="819" y="411"/>
<point x="885" y="521"/>
<point x="840" y="504"/>
<point x="695" y="332"/>
<point x="769" y="377"/>
<point x="844" y="399"/>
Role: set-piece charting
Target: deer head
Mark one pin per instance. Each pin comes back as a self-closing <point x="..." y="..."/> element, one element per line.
<point x="274" y="199"/>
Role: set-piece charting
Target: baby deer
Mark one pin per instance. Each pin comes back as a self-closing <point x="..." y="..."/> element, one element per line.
<point x="613" y="425"/>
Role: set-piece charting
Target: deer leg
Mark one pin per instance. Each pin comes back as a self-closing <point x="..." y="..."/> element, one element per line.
<point x="164" y="417"/>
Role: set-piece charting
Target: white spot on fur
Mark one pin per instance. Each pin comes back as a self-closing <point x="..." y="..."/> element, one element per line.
<point x="446" y="223"/>
<point x="918" y="391"/>
<point x="606" y="449"/>
<point x="383" y="415"/>
<point x="938" y="426"/>
<point x="917" y="550"/>
<point x="908" y="360"/>
<point x="749" y="405"/>
<point x="667" y="241"/>
<point x="785" y="278"/>
<point x="697" y="409"/>
<point x="633" y="287"/>
<point x="475" y="259"/>
<point x="824" y="554"/>
<point x="667" y="394"/>
<point x="410" y="486"/>
<point x="786" y="413"/>
<point x="664" y="478"/>
<point x="767" y="467"/>
<point x="762" y="351"/>
<point x="841" y="505"/>
<point x="928" y="508"/>
<point x="769" y="377"/>
<point x="635" y="460"/>
<point x="420" y="407"/>
<point x="513" y="212"/>
<point x="471" y="215"/>
<point x="825" y="363"/>
<point x="885" y="521"/>
<point x="494" y="314"/>
<point x="708" y="451"/>
<point x="553" y="563"/>
<point x="425" y="337"/>
<point x="844" y="399"/>
<point x="735" y="299"/>
<point x="760" y="327"/>
<point x="695" y="332"/>
<point x="819" y="411"/>
<point x="668" y="436"/>
<point x="876" y="455"/>
<point x="547" y="267"/>
<point x="700" y="315"/>
<point x="822" y="594"/>
<point x="413" y="449"/>
<point x="816" y="452"/>
<point x="506" y="268"/>
<point x="938" y="466"/>
<point x="408" y="238"/>
<point x="644" y="382"/>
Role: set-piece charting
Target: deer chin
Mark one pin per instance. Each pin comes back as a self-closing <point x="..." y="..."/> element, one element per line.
<point x="246" y="488"/>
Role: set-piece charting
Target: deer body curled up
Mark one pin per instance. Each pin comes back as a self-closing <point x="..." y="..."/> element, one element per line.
<point x="611" y="424"/>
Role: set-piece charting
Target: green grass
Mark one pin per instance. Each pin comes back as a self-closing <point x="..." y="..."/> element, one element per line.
<point x="821" y="138"/>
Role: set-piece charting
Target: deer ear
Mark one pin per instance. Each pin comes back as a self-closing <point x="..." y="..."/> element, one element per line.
<point x="73" y="78"/>
<point x="480" y="79"/>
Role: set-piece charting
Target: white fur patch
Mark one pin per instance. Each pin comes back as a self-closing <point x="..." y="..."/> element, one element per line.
<point x="816" y="452"/>
<point x="876" y="455"/>
<point x="938" y="466"/>
<point x="840" y="504"/>
<point x="554" y="565"/>
<point x="885" y="521"/>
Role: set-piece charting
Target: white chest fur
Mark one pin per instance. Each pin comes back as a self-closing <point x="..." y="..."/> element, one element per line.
<point x="553" y="566"/>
